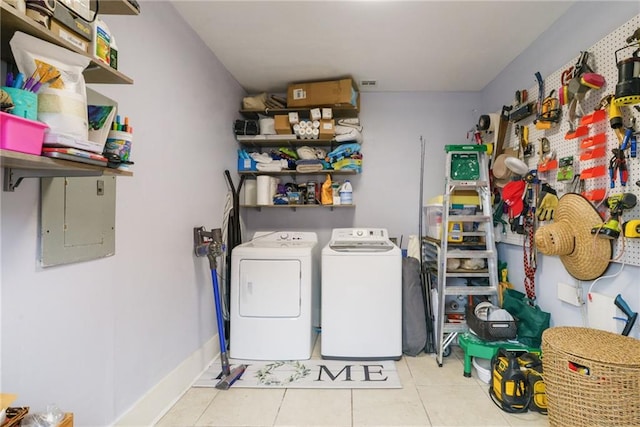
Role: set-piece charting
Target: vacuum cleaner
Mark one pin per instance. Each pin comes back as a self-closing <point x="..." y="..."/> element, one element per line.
<point x="209" y="244"/>
<point x="631" y="315"/>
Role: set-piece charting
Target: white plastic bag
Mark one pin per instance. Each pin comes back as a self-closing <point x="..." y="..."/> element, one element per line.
<point x="63" y="104"/>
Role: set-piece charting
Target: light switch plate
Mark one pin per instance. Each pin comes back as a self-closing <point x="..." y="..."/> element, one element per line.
<point x="568" y="293"/>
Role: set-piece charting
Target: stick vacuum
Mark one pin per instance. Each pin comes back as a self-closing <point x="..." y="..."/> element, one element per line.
<point x="631" y="315"/>
<point x="209" y="244"/>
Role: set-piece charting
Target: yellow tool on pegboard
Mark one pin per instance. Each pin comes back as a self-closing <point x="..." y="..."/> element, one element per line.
<point x="631" y="228"/>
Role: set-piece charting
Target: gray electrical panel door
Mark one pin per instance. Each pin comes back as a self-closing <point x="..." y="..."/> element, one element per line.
<point x="77" y="219"/>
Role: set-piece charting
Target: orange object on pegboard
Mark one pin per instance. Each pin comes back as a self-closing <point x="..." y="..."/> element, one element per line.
<point x="598" y="139"/>
<point x="594" y="153"/>
<point x="593" y="172"/>
<point x="594" y="117"/>
<point x="595" y="195"/>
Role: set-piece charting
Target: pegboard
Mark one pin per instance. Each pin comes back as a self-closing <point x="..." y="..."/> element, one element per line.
<point x="602" y="61"/>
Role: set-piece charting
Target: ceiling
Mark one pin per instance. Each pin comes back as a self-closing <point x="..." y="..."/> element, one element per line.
<point x="402" y="45"/>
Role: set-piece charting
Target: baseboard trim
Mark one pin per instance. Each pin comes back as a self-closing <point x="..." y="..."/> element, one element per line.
<point x="156" y="402"/>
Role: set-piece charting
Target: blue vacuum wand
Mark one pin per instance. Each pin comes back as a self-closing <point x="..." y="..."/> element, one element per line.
<point x="209" y="244"/>
<point x="631" y="316"/>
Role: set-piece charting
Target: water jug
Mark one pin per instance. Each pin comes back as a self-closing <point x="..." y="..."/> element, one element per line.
<point x="346" y="193"/>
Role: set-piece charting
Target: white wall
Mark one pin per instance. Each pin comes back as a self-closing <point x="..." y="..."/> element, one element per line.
<point x="581" y="27"/>
<point x="94" y="337"/>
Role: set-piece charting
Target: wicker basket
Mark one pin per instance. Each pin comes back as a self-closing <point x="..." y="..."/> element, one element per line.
<point x="592" y="377"/>
<point x="490" y="330"/>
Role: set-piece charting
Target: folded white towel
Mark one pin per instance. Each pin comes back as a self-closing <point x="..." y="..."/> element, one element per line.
<point x="261" y="157"/>
<point x="274" y="166"/>
<point x="351" y="135"/>
<point x="352" y="123"/>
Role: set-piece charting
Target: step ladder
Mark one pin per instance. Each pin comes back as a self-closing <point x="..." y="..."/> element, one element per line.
<point x="466" y="169"/>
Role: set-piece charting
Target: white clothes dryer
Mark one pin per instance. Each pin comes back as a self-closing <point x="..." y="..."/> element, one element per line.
<point x="361" y="292"/>
<point x="274" y="288"/>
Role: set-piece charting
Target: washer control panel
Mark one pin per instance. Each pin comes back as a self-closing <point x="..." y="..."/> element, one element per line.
<point x="360" y="234"/>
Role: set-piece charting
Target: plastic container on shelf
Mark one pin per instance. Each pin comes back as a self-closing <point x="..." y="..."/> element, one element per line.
<point x="346" y="193"/>
<point x="119" y="142"/>
<point x="433" y="216"/>
<point x="20" y="134"/>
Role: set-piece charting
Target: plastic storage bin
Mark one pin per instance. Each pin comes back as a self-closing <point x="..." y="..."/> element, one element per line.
<point x="433" y="213"/>
<point x="490" y="330"/>
<point x="19" y="134"/>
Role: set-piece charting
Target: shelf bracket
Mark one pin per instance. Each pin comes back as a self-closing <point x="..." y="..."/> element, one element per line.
<point x="13" y="177"/>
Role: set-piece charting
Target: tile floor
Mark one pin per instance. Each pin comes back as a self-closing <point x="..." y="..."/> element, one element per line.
<point x="430" y="396"/>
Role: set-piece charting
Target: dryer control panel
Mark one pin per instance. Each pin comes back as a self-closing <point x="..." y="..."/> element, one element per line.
<point x="285" y="237"/>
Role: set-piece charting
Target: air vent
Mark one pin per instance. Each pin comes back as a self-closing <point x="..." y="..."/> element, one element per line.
<point x="368" y="83"/>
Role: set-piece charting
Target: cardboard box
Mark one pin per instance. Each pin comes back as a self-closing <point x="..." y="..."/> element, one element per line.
<point x="337" y="93"/>
<point x="77" y="25"/>
<point x="327" y="129"/>
<point x="64" y="33"/>
<point x="315" y="114"/>
<point x="282" y="125"/>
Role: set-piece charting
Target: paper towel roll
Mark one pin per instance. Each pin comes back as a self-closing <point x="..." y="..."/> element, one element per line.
<point x="274" y="187"/>
<point x="250" y="189"/>
<point x="316" y="133"/>
<point x="263" y="190"/>
<point x="316" y="124"/>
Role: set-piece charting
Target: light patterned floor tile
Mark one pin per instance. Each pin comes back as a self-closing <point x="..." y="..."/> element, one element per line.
<point x="189" y="408"/>
<point x="404" y="373"/>
<point x="457" y="405"/>
<point x="530" y="418"/>
<point x="301" y="407"/>
<point x="243" y="407"/>
<point x="425" y="371"/>
<point x="398" y="407"/>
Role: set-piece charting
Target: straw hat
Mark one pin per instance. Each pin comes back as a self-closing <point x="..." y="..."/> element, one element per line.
<point x="501" y="172"/>
<point x="584" y="256"/>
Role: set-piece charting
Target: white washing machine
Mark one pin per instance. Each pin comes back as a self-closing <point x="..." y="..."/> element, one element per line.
<point x="274" y="289"/>
<point x="361" y="291"/>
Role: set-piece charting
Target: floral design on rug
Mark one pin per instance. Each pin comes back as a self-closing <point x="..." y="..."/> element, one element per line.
<point x="267" y="376"/>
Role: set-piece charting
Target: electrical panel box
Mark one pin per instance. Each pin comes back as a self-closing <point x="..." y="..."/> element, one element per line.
<point x="77" y="219"/>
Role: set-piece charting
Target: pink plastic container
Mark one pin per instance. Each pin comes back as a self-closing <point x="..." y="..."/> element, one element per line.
<point x="23" y="135"/>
